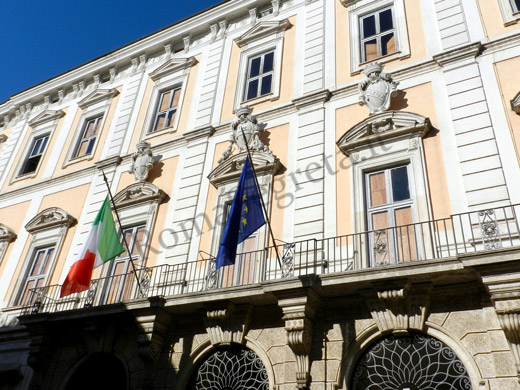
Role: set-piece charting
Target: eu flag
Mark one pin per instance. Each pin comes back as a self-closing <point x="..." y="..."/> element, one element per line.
<point x="245" y="217"/>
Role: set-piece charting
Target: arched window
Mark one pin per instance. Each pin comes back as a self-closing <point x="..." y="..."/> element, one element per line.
<point x="410" y="362"/>
<point x="231" y="368"/>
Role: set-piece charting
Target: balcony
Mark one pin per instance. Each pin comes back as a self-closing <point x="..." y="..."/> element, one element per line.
<point x="460" y="236"/>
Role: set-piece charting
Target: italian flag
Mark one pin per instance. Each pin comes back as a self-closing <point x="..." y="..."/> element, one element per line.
<point x="102" y="245"/>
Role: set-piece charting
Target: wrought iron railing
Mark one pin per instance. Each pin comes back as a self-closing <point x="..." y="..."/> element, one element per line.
<point x="461" y="234"/>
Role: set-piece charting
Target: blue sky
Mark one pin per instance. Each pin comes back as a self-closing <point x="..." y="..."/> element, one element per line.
<point x="41" y="39"/>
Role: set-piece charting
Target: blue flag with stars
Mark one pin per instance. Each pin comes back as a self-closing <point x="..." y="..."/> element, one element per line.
<point x="245" y="217"/>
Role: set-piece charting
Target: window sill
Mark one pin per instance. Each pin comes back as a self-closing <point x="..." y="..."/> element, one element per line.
<point x="78" y="159"/>
<point x="398" y="55"/>
<point x="270" y="96"/>
<point x="168" y="130"/>
<point x="31" y="175"/>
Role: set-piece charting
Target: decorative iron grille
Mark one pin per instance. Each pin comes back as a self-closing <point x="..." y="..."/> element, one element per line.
<point x="414" y="362"/>
<point x="231" y="369"/>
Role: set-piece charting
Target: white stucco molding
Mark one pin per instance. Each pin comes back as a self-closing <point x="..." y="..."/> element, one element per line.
<point x="50" y="218"/>
<point x="45" y="117"/>
<point x="173" y="65"/>
<point x="261" y="30"/>
<point x="97" y="96"/>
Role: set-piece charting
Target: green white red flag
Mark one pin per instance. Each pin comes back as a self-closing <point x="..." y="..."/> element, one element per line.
<point x="102" y="245"/>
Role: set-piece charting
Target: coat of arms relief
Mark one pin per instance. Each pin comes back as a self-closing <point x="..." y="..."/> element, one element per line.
<point x="376" y="90"/>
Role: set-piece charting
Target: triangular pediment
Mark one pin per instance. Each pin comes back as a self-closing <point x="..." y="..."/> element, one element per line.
<point x="381" y="127"/>
<point x="50" y="218"/>
<point x="97" y="96"/>
<point x="262" y="29"/>
<point x="46" y="116"/>
<point x="173" y="65"/>
<point x="231" y="168"/>
<point x="140" y="193"/>
<point x="6" y="234"/>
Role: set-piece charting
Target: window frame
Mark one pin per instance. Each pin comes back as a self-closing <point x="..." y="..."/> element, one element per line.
<point x="261" y="75"/>
<point x="32" y="278"/>
<point x="509" y="14"/>
<point x="378" y="35"/>
<point x="263" y="37"/>
<point x="29" y="155"/>
<point x="157" y="111"/>
<point x="100" y="119"/>
<point x="360" y="9"/>
<point x="170" y="75"/>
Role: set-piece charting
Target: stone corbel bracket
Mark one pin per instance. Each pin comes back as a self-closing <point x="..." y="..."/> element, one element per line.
<point x="227" y="323"/>
<point x="152" y="330"/>
<point x="298" y="314"/>
<point x="400" y="308"/>
<point x="504" y="291"/>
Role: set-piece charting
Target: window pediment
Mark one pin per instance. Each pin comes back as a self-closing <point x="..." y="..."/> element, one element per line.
<point x="383" y="127"/>
<point x="46" y="116"/>
<point x="50" y="218"/>
<point x="262" y="29"/>
<point x="140" y="193"/>
<point x="97" y="96"/>
<point x="230" y="169"/>
<point x="515" y="103"/>
<point x="173" y="65"/>
<point x="6" y="234"/>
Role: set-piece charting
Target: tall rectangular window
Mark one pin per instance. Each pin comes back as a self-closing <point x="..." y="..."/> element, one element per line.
<point x="166" y="109"/>
<point x="121" y="279"/>
<point x="36" y="275"/>
<point x="390" y="209"/>
<point x="36" y="152"/>
<point x="260" y="71"/>
<point x="89" y="134"/>
<point x="378" y="35"/>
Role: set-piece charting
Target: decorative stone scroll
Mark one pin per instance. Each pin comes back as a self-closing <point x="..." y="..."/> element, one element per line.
<point x="377" y="89"/>
<point x="398" y="309"/>
<point x="245" y="133"/>
<point x="298" y="314"/>
<point x="49" y="218"/>
<point x="227" y="323"/>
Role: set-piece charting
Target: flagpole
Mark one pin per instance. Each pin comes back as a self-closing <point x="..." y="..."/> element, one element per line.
<point x="261" y="199"/>
<point x="122" y="232"/>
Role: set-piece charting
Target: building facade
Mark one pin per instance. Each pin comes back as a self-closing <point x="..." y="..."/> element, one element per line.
<point x="385" y="137"/>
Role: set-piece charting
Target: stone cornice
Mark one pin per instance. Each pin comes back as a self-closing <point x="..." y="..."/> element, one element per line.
<point x="97" y="96"/>
<point x="314" y="98"/>
<point x="262" y="29"/>
<point x="50" y="218"/>
<point x="173" y="65"/>
<point x="458" y="54"/>
<point x="198" y="133"/>
<point x="46" y="116"/>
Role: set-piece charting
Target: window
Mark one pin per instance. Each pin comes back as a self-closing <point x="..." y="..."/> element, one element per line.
<point x="377" y="34"/>
<point x="39" y="267"/>
<point x="36" y="152"/>
<point x="166" y="109"/>
<point x="88" y="137"/>
<point x="510" y="10"/>
<point x="259" y="71"/>
<point x="259" y="76"/>
<point x="390" y="210"/>
<point x="377" y="30"/>
<point x="121" y="280"/>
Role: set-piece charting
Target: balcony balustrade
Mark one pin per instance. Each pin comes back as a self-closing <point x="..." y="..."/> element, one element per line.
<point x="461" y="234"/>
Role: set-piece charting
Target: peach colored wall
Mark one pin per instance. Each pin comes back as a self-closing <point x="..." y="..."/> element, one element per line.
<point x="26" y="181"/>
<point x="13" y="217"/>
<point x="417" y="40"/>
<point x="418" y="99"/>
<point x="492" y="18"/>
<point x="508" y="73"/>
<point x="73" y="132"/>
<point x="286" y="81"/>
<point x="184" y="110"/>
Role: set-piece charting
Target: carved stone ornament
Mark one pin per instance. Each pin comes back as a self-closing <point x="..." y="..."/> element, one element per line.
<point x="377" y="89"/>
<point x="3" y="138"/>
<point x="515" y="103"/>
<point x="152" y="333"/>
<point x="245" y="133"/>
<point x="49" y="218"/>
<point x="142" y="161"/>
<point x="6" y="234"/>
<point x="383" y="127"/>
<point x="396" y="309"/>
<point x="97" y="96"/>
<point x="298" y="314"/>
<point x="46" y="116"/>
<point x="227" y="323"/>
<point x="139" y="193"/>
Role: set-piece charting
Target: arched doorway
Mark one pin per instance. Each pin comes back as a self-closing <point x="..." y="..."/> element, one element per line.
<point x="409" y="362"/>
<point x="230" y="368"/>
<point x="99" y="371"/>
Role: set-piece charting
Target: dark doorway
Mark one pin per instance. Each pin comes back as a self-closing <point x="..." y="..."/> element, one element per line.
<point x="100" y="371"/>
